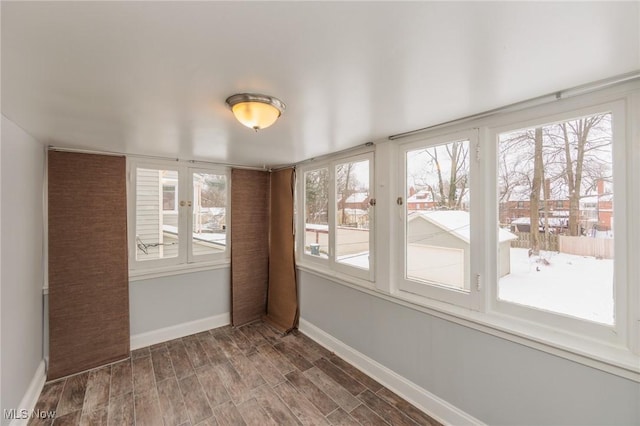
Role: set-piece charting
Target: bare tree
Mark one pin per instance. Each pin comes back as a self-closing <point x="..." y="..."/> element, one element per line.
<point x="344" y="186"/>
<point x="534" y="214"/>
<point x="317" y="196"/>
<point x="582" y="140"/>
<point x="445" y="174"/>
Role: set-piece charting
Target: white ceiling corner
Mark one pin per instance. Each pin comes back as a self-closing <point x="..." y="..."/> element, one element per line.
<point x="151" y="77"/>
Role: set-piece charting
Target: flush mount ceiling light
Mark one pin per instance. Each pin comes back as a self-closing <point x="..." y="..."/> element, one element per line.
<point x="255" y="111"/>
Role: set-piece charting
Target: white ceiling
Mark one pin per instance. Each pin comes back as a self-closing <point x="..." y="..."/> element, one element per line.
<point x="151" y="77"/>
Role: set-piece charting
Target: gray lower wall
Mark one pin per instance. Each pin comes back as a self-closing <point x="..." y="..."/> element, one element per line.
<point x="164" y="302"/>
<point x="22" y="176"/>
<point x="495" y="380"/>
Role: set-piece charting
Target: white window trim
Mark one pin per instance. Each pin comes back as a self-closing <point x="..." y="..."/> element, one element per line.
<point x="330" y="265"/>
<point x="616" y="334"/>
<point x="366" y="274"/>
<point x="470" y="299"/>
<point x="192" y="258"/>
<point x="175" y="201"/>
<point x="620" y="359"/>
<point x="301" y="255"/>
<point x="185" y="261"/>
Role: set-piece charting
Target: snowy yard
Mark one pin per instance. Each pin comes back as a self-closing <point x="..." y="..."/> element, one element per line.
<point x="573" y="285"/>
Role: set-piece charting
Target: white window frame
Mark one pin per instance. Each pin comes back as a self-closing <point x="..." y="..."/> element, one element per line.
<point x="193" y="258"/>
<point x="616" y="334"/>
<point x="175" y="201"/>
<point x="302" y="254"/>
<point x="473" y="298"/>
<point x="185" y="260"/>
<point x="362" y="276"/>
<point x="365" y="274"/>
<point x="611" y="353"/>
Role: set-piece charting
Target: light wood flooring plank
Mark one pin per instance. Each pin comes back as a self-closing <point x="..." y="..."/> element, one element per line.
<point x="340" y="395"/>
<point x="228" y="415"/>
<point x="143" y="379"/>
<point x="303" y="409"/>
<point x="195" y="399"/>
<point x="311" y="392"/>
<point x="121" y="378"/>
<point x="72" y="397"/>
<point x="384" y="410"/>
<point x="147" y="408"/>
<point x="121" y="410"/>
<point x="171" y="403"/>
<point x="97" y="393"/>
<point x="213" y="385"/>
<point x="341" y="418"/>
<point x="162" y="366"/>
<point x="253" y="415"/>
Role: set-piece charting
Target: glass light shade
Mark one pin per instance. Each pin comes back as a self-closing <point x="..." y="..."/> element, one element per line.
<point x="255" y="115"/>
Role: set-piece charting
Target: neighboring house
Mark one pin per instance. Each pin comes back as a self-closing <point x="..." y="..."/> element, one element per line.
<point x="438" y="248"/>
<point x="597" y="210"/>
<point x="557" y="223"/>
<point x="354" y="211"/>
<point x="421" y="200"/>
<point x="157" y="219"/>
<point x="518" y="207"/>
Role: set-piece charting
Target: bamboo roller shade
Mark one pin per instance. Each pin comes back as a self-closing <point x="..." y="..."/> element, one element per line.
<point x="88" y="271"/>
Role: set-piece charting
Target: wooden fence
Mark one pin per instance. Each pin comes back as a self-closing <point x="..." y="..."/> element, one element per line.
<point x="582" y="246"/>
<point x="549" y="242"/>
<point x="601" y="248"/>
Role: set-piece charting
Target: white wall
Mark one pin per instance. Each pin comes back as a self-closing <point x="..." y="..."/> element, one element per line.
<point x="22" y="275"/>
<point x="496" y="381"/>
<point x="164" y="302"/>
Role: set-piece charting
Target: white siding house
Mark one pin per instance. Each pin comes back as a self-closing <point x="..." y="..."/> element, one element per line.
<point x="438" y="247"/>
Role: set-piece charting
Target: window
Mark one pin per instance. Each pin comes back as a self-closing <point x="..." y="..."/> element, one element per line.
<point x="177" y="215"/>
<point x="523" y="226"/>
<point x="560" y="261"/>
<point x="352" y="213"/>
<point x="438" y="236"/>
<point x="316" y="209"/>
<point x="169" y="197"/>
<point x="338" y="215"/>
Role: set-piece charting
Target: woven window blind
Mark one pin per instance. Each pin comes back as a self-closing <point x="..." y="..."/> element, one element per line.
<point x="249" y="245"/>
<point x="88" y="271"/>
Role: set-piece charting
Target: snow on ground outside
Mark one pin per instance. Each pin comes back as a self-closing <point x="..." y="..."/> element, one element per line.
<point x="578" y="286"/>
<point x="359" y="260"/>
<point x="573" y="285"/>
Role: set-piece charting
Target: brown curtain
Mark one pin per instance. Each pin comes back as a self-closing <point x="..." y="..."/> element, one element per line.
<point x="88" y="271"/>
<point x="282" y="303"/>
<point x="249" y="245"/>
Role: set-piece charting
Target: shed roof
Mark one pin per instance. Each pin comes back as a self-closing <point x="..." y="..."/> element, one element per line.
<point x="455" y="222"/>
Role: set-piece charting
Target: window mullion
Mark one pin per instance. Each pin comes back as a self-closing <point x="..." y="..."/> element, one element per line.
<point x="184" y="219"/>
<point x="332" y="214"/>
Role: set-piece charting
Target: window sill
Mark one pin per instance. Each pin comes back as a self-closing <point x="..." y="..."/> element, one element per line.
<point x="613" y="359"/>
<point x="337" y="277"/>
<point x="167" y="271"/>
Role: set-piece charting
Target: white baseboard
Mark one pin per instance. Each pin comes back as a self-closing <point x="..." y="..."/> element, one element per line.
<point x="30" y="398"/>
<point x="436" y="407"/>
<point x="180" y="330"/>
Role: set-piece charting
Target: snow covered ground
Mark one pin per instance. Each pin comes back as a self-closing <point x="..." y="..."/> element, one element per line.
<point x="573" y="285"/>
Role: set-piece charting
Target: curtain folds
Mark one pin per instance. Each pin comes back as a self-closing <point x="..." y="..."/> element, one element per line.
<point x="263" y="274"/>
<point x="282" y="302"/>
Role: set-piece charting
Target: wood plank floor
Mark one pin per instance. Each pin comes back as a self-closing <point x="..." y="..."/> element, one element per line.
<point x="227" y="376"/>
